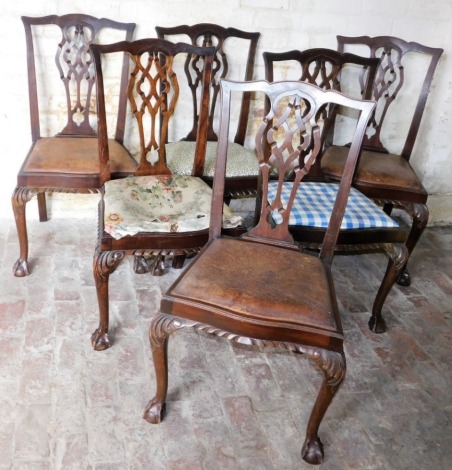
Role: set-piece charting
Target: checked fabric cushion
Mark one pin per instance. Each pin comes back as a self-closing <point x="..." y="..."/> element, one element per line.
<point x="314" y="202"/>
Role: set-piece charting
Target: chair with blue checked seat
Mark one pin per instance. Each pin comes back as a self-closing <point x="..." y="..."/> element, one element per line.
<point x="365" y="227"/>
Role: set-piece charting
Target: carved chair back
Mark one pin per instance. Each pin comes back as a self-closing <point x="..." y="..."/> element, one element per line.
<point x="152" y="93"/>
<point x="212" y="35"/>
<point x="75" y="67"/>
<point x="325" y="68"/>
<point x="390" y="82"/>
<point x="296" y="139"/>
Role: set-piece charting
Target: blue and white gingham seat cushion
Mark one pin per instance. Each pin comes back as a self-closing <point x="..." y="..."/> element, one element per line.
<point x="314" y="202"/>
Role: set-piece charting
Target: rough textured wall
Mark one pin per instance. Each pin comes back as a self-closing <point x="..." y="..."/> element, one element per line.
<point x="285" y="25"/>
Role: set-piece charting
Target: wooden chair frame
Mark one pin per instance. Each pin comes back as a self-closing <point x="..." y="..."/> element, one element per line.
<point x="314" y="64"/>
<point x="212" y="35"/>
<point x="36" y="177"/>
<point x="158" y="245"/>
<point x="246" y="307"/>
<point x="404" y="190"/>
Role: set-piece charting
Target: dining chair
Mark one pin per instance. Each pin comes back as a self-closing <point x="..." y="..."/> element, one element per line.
<point x="153" y="214"/>
<point x="235" y="53"/>
<point x="366" y="228"/>
<point x="382" y="174"/>
<point x="68" y="161"/>
<point x="326" y="69"/>
<point x="259" y="289"/>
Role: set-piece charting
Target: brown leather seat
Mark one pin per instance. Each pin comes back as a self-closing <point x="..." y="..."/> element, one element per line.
<point x="375" y="170"/>
<point x="260" y="290"/>
<point x="388" y="177"/>
<point x="52" y="157"/>
<point x="68" y="161"/>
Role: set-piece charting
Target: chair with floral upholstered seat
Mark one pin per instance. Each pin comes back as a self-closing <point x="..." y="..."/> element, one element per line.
<point x="235" y="51"/>
<point x="152" y="214"/>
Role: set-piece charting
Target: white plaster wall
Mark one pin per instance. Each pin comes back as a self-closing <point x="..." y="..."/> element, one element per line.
<point x="284" y="24"/>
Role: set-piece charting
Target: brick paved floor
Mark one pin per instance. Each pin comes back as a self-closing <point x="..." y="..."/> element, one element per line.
<point x="64" y="406"/>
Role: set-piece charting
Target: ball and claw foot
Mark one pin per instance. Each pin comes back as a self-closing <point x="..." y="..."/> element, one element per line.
<point x="377" y="325"/>
<point x="404" y="278"/>
<point x="157" y="267"/>
<point x="312" y="452"/>
<point x="20" y="268"/>
<point x="154" y="412"/>
<point x="100" y="340"/>
<point x="140" y="265"/>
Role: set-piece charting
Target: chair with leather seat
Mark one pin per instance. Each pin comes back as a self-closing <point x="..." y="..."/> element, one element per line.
<point x="68" y="161"/>
<point x="283" y="299"/>
<point x="366" y="228"/>
<point x="153" y="214"/>
<point x="388" y="176"/>
<point x="235" y="53"/>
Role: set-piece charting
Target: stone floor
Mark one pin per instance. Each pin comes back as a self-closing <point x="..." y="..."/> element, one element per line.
<point x="64" y="406"/>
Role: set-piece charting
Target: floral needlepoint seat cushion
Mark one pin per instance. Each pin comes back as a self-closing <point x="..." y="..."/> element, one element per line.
<point x="240" y="161"/>
<point x="314" y="202"/>
<point x="159" y="204"/>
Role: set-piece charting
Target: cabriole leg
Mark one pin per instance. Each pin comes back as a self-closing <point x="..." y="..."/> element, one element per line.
<point x="398" y="256"/>
<point x="162" y="326"/>
<point x="104" y="263"/>
<point x="419" y="213"/>
<point x="333" y="366"/>
<point x="19" y="200"/>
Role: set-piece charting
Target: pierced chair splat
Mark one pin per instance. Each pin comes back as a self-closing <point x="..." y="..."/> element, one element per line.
<point x="324" y="68"/>
<point x="233" y="47"/>
<point x="285" y="299"/>
<point x="68" y="161"/>
<point x="365" y="226"/>
<point x="384" y="175"/>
